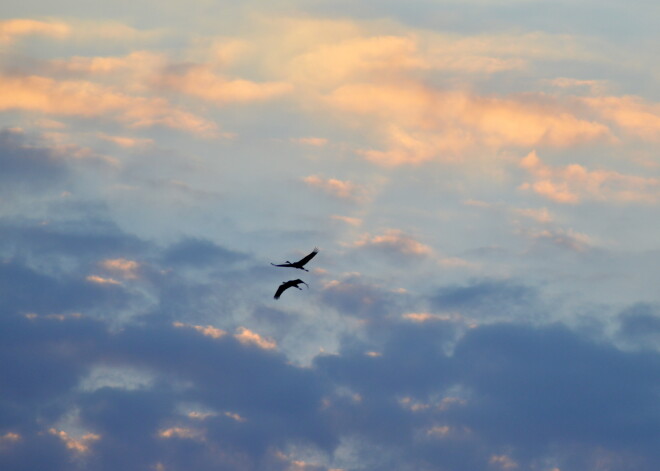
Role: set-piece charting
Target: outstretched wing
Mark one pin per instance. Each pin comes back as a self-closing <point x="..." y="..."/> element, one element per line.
<point x="281" y="265"/>
<point x="281" y="290"/>
<point x="307" y="258"/>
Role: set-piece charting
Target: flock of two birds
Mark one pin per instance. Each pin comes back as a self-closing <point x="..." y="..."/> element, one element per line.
<point x="299" y="265"/>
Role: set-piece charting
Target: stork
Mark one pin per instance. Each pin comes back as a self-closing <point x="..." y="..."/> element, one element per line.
<point x="288" y="284"/>
<point x="300" y="263"/>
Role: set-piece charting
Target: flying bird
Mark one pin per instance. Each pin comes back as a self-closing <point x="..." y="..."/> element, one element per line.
<point x="300" y="263"/>
<point x="288" y="284"/>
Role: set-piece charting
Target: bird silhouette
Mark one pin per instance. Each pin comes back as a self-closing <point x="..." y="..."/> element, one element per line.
<point x="300" y="263"/>
<point x="288" y="284"/>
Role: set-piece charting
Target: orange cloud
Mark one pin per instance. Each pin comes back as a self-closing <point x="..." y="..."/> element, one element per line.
<point x="311" y="141"/>
<point x="182" y="432"/>
<point x="80" y="445"/>
<point x="11" y="29"/>
<point x="418" y="123"/>
<point x="567" y="239"/>
<point x="631" y="114"/>
<point x="341" y="52"/>
<point x="143" y="62"/>
<point x="99" y="280"/>
<point x="247" y="337"/>
<point x="540" y="215"/>
<point x="127" y="142"/>
<point x="592" y="86"/>
<point x="201" y="82"/>
<point x="395" y="241"/>
<point x="124" y="267"/>
<point x="334" y="62"/>
<point x="573" y="183"/>
<point x="235" y="416"/>
<point x="9" y="439"/>
<point x="83" y="98"/>
<point x="348" y="220"/>
<point x="339" y="189"/>
<point x="207" y="330"/>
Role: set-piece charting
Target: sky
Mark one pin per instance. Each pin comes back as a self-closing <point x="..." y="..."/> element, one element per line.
<point x="482" y="180"/>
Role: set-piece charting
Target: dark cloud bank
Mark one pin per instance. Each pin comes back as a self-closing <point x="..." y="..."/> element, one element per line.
<point x="401" y="396"/>
<point x="413" y="396"/>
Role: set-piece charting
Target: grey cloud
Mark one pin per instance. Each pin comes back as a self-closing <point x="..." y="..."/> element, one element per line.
<point x="539" y="389"/>
<point x="85" y="239"/>
<point x="492" y="299"/>
<point x="26" y="165"/>
<point x="403" y="395"/>
<point x="640" y="325"/>
<point x="36" y="451"/>
<point x="357" y="298"/>
<point x="199" y="252"/>
<point x="536" y="395"/>
<point x="410" y="360"/>
<point x="26" y="290"/>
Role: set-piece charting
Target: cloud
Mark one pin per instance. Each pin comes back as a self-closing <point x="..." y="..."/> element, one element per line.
<point x="311" y="141"/>
<point x="247" y="337"/>
<point x="335" y="62"/>
<point x="165" y="351"/>
<point x="201" y="82"/>
<point x="28" y="165"/>
<point x="339" y="53"/>
<point x="632" y="114"/>
<point x="422" y="317"/>
<point x="243" y="335"/>
<point x="343" y="190"/>
<point x="181" y="432"/>
<point x="81" y="241"/>
<point x="88" y="99"/>
<point x="574" y="183"/>
<point x="80" y="445"/>
<point x="423" y="385"/>
<point x="195" y="252"/>
<point x="348" y="220"/>
<point x="208" y="330"/>
<point x="596" y="87"/>
<point x="541" y="215"/>
<point x="419" y="123"/>
<point x="639" y="325"/>
<point x="102" y="281"/>
<point x="394" y="241"/>
<point x="56" y="294"/>
<point x="563" y="392"/>
<point x="15" y="28"/>
<point x="127" y="142"/>
<point x="488" y="298"/>
<point x="565" y="239"/>
<point x="124" y="267"/>
<point x="356" y="297"/>
<point x="138" y="64"/>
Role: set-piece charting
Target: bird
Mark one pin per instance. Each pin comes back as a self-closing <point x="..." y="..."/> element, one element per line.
<point x="288" y="284"/>
<point x="300" y="263"/>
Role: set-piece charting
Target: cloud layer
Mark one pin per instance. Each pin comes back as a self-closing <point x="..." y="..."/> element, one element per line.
<point x="482" y="182"/>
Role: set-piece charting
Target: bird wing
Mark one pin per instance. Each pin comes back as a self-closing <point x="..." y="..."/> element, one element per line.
<point x="281" y="290"/>
<point x="307" y="258"/>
